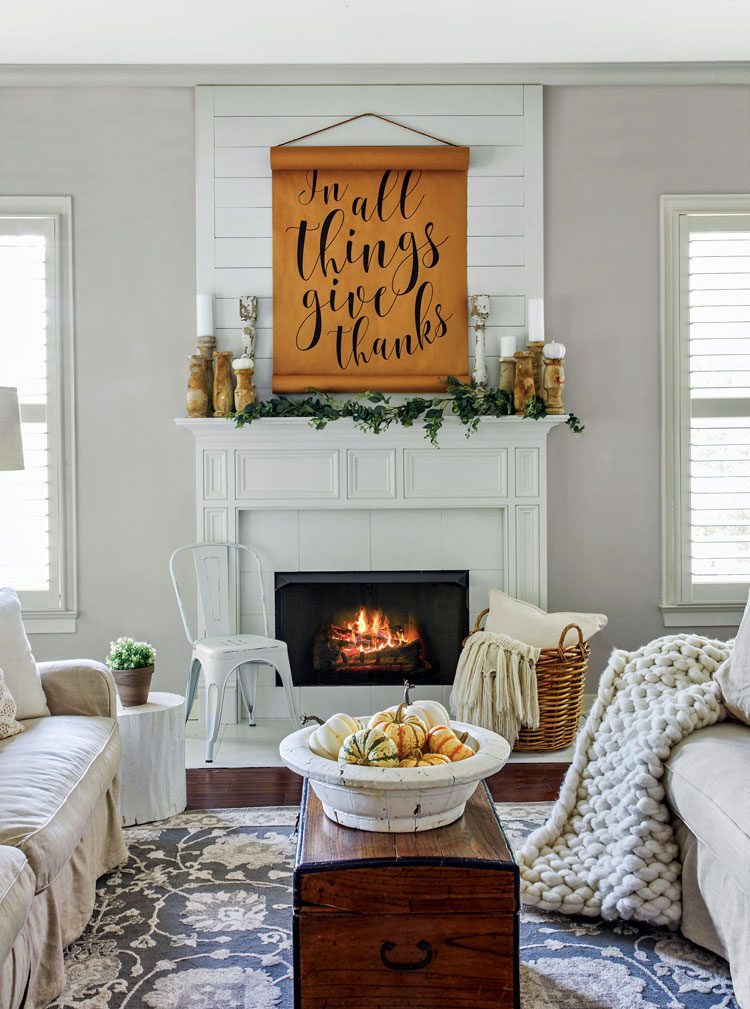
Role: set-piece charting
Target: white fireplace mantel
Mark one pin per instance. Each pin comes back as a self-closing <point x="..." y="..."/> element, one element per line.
<point x="342" y="499"/>
<point x="283" y="463"/>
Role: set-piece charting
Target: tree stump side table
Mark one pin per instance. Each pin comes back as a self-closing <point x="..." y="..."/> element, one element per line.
<point x="152" y="771"/>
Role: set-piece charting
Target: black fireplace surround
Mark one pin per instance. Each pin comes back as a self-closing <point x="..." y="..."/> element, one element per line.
<point x="372" y="627"/>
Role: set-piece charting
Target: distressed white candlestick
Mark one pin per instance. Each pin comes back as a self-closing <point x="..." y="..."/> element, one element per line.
<point x="480" y="310"/>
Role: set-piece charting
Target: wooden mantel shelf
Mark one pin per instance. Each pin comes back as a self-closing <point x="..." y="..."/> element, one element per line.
<point x="514" y="426"/>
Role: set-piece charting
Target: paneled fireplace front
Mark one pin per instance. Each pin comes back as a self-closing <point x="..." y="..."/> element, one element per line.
<point x="342" y="500"/>
<point x="372" y="627"/>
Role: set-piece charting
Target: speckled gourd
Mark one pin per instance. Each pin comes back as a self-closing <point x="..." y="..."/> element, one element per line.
<point x="424" y="760"/>
<point x="408" y="732"/>
<point x="442" y="739"/>
<point x="369" y="747"/>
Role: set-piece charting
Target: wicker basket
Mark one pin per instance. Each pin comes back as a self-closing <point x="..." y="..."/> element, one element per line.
<point x="561" y="675"/>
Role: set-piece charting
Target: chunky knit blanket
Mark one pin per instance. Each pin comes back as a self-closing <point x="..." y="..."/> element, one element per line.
<point x="495" y="684"/>
<point x="608" y="848"/>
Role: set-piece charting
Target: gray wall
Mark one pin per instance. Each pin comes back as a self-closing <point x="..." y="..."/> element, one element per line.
<point x="610" y="152"/>
<point x="126" y="156"/>
<point x="127" y="159"/>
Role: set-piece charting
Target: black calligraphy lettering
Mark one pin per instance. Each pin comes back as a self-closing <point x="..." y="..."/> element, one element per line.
<point x="390" y="267"/>
<point x="409" y="184"/>
<point x="310" y="300"/>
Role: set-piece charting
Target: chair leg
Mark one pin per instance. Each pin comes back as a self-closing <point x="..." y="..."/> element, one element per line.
<point x="247" y="674"/>
<point x="279" y="659"/>
<point x="192" y="686"/>
<point x="214" y="705"/>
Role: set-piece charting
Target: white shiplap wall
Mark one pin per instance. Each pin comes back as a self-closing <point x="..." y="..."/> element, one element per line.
<point x="236" y="126"/>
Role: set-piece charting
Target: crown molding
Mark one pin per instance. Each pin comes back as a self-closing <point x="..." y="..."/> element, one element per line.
<point x="191" y="75"/>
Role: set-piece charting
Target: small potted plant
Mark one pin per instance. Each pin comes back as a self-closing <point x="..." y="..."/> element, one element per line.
<point x="132" y="665"/>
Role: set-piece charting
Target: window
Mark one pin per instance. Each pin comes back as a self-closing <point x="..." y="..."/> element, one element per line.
<point x="706" y="408"/>
<point x="37" y="555"/>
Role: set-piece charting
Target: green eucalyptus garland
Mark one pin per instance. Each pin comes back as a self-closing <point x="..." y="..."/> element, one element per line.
<point x="375" y="412"/>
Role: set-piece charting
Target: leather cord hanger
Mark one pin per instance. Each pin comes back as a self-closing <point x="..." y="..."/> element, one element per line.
<point x="373" y="115"/>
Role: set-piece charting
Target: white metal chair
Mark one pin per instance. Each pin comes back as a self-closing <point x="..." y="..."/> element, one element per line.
<point x="220" y="651"/>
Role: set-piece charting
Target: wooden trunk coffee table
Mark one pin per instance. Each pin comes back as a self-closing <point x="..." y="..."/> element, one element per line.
<point x="426" y="920"/>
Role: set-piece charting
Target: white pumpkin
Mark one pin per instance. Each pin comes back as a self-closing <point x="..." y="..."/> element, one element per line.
<point x="554" y="351"/>
<point x="315" y="746"/>
<point x="327" y="739"/>
<point x="431" y="712"/>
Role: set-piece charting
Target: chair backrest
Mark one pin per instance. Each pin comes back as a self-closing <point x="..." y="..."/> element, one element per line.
<point x="218" y="576"/>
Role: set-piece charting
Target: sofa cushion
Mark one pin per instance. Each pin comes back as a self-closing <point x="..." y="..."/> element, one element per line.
<point x="17" y="887"/>
<point x="17" y="662"/>
<point x="51" y="778"/>
<point x="733" y="675"/>
<point x="708" y="786"/>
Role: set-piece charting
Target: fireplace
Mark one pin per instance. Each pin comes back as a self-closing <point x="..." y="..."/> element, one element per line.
<point x="372" y="627"/>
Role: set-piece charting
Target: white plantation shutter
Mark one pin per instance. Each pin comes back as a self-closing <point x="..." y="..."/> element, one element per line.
<point x="35" y="504"/>
<point x="708" y="406"/>
<point x="719" y="353"/>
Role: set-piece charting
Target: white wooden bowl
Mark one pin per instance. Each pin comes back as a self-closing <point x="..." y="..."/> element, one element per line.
<point x="396" y="799"/>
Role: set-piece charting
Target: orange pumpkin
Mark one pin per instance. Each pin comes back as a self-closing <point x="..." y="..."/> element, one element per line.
<point x="441" y="739"/>
<point x="408" y="732"/>
<point x="424" y="760"/>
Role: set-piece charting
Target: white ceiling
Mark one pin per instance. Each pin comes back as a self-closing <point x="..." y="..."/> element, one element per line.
<point x="372" y="31"/>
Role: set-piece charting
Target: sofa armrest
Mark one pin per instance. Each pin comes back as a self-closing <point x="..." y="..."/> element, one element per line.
<point x="79" y="687"/>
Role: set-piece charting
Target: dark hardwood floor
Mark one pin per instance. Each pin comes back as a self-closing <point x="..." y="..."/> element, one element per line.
<point x="230" y="787"/>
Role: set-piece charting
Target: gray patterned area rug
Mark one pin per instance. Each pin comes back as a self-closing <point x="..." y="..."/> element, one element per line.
<point x="200" y="918"/>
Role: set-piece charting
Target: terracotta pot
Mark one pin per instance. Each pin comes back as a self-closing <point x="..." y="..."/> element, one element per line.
<point x="133" y="685"/>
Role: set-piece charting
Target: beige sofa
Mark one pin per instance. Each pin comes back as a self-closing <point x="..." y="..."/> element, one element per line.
<point x="708" y="787"/>
<point x="59" y="827"/>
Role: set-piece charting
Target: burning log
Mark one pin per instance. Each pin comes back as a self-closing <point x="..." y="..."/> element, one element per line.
<point x="368" y="643"/>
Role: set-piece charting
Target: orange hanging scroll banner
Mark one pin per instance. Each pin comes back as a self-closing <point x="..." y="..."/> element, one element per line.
<point x="369" y="268"/>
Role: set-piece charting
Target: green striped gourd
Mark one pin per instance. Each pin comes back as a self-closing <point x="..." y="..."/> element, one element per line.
<point x="369" y="747"/>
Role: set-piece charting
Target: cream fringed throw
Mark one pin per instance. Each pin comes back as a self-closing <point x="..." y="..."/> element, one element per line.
<point x="608" y="848"/>
<point x="495" y="684"/>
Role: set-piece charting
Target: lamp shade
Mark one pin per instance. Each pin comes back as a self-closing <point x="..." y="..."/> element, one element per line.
<point x="11" y="452"/>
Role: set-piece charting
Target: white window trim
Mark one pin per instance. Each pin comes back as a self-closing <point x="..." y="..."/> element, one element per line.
<point x="61" y="619"/>
<point x="678" y="609"/>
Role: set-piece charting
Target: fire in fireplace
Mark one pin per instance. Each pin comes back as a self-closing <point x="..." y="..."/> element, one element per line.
<point x="369" y="642"/>
<point x="372" y="627"/>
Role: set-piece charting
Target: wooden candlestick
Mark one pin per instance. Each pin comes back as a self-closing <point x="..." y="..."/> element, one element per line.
<point x="524" y="388"/>
<point x="222" y="383"/>
<point x="536" y="347"/>
<point x="507" y="379"/>
<point x="244" y="393"/>
<point x="554" y="383"/>
<point x="197" y="387"/>
<point x="206" y="348"/>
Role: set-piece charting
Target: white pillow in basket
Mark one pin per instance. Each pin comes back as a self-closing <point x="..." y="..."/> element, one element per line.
<point x="526" y="622"/>
<point x="8" y="724"/>
<point x="17" y="662"/>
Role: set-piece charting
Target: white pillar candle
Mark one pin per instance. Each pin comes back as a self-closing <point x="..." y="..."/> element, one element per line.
<point x="508" y="346"/>
<point x="535" y="313"/>
<point x="204" y="307"/>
